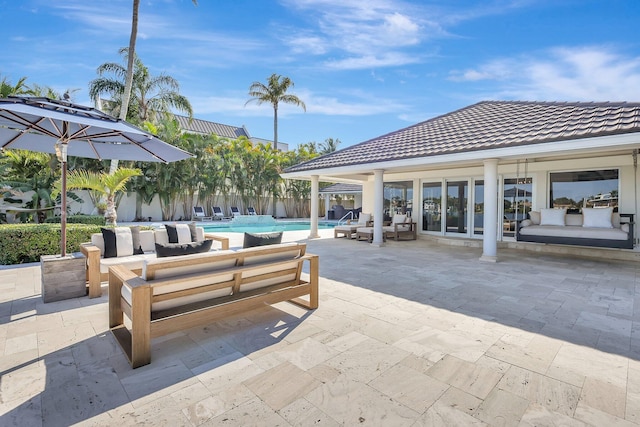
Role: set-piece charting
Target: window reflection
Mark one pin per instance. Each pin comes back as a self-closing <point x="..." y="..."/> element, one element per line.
<point x="432" y="206"/>
<point x="589" y="189"/>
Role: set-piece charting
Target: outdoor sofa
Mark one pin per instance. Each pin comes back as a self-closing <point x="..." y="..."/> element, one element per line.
<point x="134" y="246"/>
<point x="176" y="293"/>
<point x="598" y="227"/>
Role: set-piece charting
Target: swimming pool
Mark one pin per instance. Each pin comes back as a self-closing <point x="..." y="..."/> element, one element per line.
<point x="230" y="227"/>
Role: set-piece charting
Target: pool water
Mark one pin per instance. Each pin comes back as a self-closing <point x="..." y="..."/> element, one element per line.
<point x="229" y="227"/>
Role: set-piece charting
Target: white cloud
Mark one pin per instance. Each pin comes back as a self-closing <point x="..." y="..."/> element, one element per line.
<point x="591" y="73"/>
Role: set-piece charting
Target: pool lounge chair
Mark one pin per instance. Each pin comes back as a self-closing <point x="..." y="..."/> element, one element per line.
<point x="348" y="230"/>
<point x="251" y="211"/>
<point x="218" y="213"/>
<point x="199" y="214"/>
<point x="235" y="211"/>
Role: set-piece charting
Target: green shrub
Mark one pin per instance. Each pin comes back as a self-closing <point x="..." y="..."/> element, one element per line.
<point x="21" y="243"/>
<point x="78" y="219"/>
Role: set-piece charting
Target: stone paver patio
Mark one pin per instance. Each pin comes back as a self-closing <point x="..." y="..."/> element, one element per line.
<point x="411" y="334"/>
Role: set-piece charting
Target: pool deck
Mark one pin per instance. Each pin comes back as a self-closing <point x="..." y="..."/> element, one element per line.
<point x="413" y="333"/>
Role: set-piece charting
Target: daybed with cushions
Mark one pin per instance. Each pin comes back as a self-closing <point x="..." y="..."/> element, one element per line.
<point x="600" y="227"/>
<point x="172" y="294"/>
<point x="131" y="246"/>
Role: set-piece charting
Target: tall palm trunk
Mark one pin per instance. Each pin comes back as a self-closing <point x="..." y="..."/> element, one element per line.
<point x="126" y="96"/>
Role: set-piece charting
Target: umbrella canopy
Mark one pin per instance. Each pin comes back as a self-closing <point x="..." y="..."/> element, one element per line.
<point x="67" y="129"/>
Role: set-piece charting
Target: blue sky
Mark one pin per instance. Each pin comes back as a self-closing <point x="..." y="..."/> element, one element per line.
<point x="363" y="67"/>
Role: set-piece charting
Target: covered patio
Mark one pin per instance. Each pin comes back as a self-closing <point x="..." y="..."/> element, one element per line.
<point x="475" y="173"/>
<point x="415" y="334"/>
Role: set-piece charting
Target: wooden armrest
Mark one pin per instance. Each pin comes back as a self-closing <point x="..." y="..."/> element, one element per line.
<point x="224" y="241"/>
<point x="92" y="254"/>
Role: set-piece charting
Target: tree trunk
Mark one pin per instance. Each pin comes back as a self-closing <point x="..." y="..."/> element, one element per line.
<point x="128" y="83"/>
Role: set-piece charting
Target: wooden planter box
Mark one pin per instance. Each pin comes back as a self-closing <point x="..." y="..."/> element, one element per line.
<point x="63" y="278"/>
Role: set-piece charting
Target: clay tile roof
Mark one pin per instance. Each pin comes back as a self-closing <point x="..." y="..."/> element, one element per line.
<point x="488" y="125"/>
<point x="206" y="128"/>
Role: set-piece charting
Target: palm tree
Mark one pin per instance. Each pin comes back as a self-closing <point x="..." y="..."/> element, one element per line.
<point x="152" y="97"/>
<point x="109" y="185"/>
<point x="329" y="145"/>
<point x="274" y="92"/>
<point x="7" y="88"/>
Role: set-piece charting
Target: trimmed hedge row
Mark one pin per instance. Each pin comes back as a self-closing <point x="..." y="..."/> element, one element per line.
<point x="22" y="243"/>
<point x="78" y="219"/>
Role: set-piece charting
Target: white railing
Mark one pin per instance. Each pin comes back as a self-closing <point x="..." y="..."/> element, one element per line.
<point x="348" y="214"/>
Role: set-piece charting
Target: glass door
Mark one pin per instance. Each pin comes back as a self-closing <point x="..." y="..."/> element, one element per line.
<point x="457" y="198"/>
<point x="432" y="206"/>
<point x="478" y="207"/>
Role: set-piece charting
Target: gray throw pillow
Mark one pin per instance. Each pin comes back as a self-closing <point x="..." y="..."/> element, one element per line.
<point x="261" y="239"/>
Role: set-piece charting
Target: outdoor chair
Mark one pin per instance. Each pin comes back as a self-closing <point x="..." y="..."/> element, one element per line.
<point x="251" y="211"/>
<point x="349" y="229"/>
<point x="401" y="226"/>
<point x="235" y="211"/>
<point x="199" y="214"/>
<point x="218" y="213"/>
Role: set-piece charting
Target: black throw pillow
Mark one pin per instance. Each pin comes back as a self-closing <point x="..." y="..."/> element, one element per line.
<point x="177" y="249"/>
<point x="172" y="233"/>
<point x="109" y="237"/>
<point x="261" y="239"/>
<point x="135" y="236"/>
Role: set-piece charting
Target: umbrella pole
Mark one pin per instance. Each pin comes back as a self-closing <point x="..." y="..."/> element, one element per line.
<point x="62" y="155"/>
<point x="63" y="214"/>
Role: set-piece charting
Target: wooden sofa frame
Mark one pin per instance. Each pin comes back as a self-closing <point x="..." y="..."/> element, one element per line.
<point x="578" y="241"/>
<point x="95" y="278"/>
<point x="147" y="324"/>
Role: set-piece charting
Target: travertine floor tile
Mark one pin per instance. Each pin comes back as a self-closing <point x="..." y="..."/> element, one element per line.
<point x="281" y="385"/>
<point x="466" y="376"/>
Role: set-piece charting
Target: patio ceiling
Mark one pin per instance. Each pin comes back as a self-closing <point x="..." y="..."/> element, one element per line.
<point x="507" y="130"/>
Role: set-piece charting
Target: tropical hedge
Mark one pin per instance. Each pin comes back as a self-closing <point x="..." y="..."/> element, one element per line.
<point x="23" y="243"/>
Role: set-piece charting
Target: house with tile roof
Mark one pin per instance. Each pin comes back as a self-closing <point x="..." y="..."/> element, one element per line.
<point x="477" y="171"/>
<point x="205" y="127"/>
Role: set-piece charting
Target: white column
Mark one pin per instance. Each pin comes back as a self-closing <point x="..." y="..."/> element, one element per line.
<point x="327" y="200"/>
<point x="490" y="223"/>
<point x="378" y="206"/>
<point x="315" y="188"/>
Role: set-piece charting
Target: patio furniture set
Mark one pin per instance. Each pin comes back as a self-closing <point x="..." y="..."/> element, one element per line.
<point x="400" y="227"/>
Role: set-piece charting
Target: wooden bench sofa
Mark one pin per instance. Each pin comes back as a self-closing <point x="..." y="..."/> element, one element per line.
<point x="98" y="266"/>
<point x="176" y="293"/>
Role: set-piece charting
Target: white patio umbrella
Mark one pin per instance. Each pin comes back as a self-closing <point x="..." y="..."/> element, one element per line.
<point x="66" y="129"/>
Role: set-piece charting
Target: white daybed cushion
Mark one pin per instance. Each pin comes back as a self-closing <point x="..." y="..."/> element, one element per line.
<point x="572" y="231"/>
<point x="597" y="217"/>
<point x="552" y="217"/>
